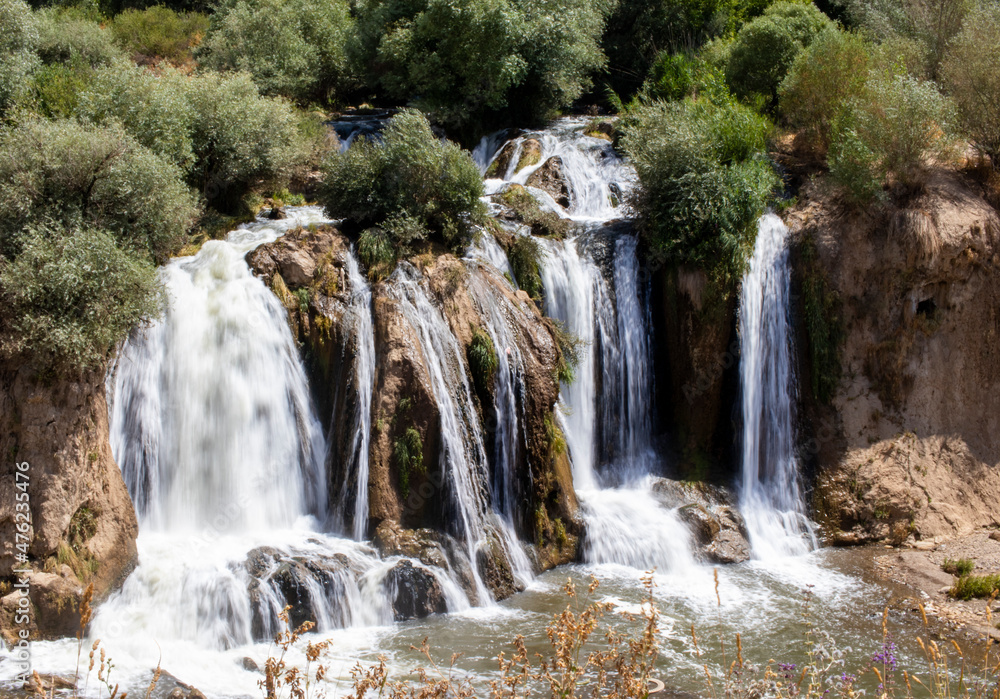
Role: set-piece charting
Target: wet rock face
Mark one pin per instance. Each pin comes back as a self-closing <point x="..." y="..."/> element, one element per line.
<point x="297" y="581"/>
<point x="549" y="178"/>
<point x="79" y="502"/>
<point x="414" y="592"/>
<point x="717" y="528"/>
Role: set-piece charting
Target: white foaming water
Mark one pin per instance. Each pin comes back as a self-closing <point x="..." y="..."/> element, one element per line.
<point x="770" y="496"/>
<point x="596" y="176"/>
<point x="359" y="317"/>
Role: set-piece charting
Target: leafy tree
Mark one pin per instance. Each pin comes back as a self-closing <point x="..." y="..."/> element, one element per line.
<point x="155" y="109"/>
<point x="71" y="294"/>
<point x="972" y="77"/>
<point x="240" y="139"/>
<point x="294" y="48"/>
<point x="411" y="185"/>
<point x="887" y="134"/>
<point x="930" y="23"/>
<point x="160" y="32"/>
<point x="703" y="181"/>
<point x="464" y="61"/>
<point x="63" y="173"/>
<point x="765" y="48"/>
<point x="821" y="80"/>
<point x="639" y="31"/>
<point x="18" y="60"/>
<point x="68" y="36"/>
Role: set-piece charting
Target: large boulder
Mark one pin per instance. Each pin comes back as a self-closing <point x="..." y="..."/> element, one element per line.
<point x="550" y="179"/>
<point x="717" y="528"/>
<point x="414" y="592"/>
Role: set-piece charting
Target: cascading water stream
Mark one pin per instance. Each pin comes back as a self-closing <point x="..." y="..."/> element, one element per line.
<point x="770" y="495"/>
<point x="363" y="343"/>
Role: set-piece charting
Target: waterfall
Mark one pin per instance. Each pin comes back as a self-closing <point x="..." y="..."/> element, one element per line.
<point x="625" y="523"/>
<point x="221" y="450"/>
<point x="770" y="498"/>
<point x="359" y="319"/>
<point x="463" y="453"/>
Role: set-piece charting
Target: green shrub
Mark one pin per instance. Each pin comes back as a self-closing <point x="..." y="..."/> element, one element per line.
<point x="18" y="60"/>
<point x="960" y="567"/>
<point x="376" y="252"/>
<point x="411" y="184"/>
<point x="703" y="181"/>
<point x="294" y="48"/>
<point x="409" y="452"/>
<point x="154" y="109"/>
<point x="888" y="133"/>
<point x="569" y="352"/>
<point x="832" y="70"/>
<point x="973" y="80"/>
<point x="68" y="36"/>
<point x="527" y="210"/>
<point x="482" y="360"/>
<point x="765" y="48"/>
<point x="58" y="88"/>
<point x="524" y="255"/>
<point x="239" y="138"/>
<point x="160" y="32"/>
<point x="70" y="295"/>
<point x="64" y="173"/>
<point x="975" y="586"/>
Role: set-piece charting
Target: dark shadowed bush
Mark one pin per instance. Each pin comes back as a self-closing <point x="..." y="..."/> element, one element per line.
<point x="765" y="48"/>
<point x="703" y="181"/>
<point x="525" y="254"/>
<point x="294" y="48"/>
<point x="159" y="32"/>
<point x="63" y="173"/>
<point x="71" y="295"/>
<point x="18" y="60"/>
<point x="411" y="185"/>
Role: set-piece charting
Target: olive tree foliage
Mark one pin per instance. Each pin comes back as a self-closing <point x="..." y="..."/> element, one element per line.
<point x="832" y="70"/>
<point x="63" y="173"/>
<point x="224" y="135"/>
<point x="764" y="49"/>
<point x="463" y="60"/>
<point x="888" y="133"/>
<point x="69" y="36"/>
<point x="18" y="60"/>
<point x="410" y="185"/>
<point x="930" y="24"/>
<point x="71" y="294"/>
<point x="971" y="75"/>
<point x="294" y="48"/>
<point x="704" y="180"/>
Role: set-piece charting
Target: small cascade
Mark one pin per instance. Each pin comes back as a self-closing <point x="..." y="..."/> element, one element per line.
<point x="214" y="430"/>
<point x="508" y="405"/>
<point x="359" y="319"/>
<point x="596" y="176"/>
<point x="463" y="451"/>
<point x="771" y="497"/>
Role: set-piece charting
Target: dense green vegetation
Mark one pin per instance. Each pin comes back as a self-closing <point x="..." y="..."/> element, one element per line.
<point x="144" y="125"/>
<point x="411" y="185"/>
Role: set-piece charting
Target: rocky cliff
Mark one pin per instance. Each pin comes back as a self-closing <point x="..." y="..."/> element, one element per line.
<point x="906" y="441"/>
<point x="84" y="525"/>
<point x="407" y="514"/>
